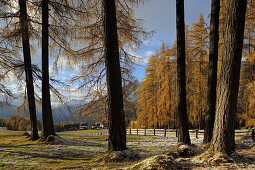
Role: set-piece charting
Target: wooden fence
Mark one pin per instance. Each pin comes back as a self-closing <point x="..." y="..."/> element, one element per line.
<point x="169" y="132"/>
<point x="173" y="132"/>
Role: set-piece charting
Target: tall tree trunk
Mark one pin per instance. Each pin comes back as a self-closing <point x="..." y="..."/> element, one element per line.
<point x="47" y="119"/>
<point x="212" y="70"/>
<point x="28" y="68"/>
<point x="182" y="118"/>
<point x="117" y="129"/>
<point x="224" y="128"/>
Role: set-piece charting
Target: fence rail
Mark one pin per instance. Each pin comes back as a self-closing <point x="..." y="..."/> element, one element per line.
<point x="168" y="132"/>
<point x="193" y="132"/>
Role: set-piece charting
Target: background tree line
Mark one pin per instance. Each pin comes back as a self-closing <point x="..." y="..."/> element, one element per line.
<point x="156" y="106"/>
<point x="18" y="122"/>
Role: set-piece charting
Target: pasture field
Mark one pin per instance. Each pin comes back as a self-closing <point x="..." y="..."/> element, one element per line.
<point x="77" y="151"/>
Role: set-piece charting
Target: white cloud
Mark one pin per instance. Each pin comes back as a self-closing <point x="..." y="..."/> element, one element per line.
<point x="145" y="61"/>
<point x="147" y="42"/>
<point x="148" y="53"/>
<point x="72" y="75"/>
<point x="52" y="72"/>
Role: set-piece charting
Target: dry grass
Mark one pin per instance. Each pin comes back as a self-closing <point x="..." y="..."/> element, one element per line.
<point x="17" y="152"/>
<point x="86" y="152"/>
<point x="72" y="151"/>
<point x="89" y="131"/>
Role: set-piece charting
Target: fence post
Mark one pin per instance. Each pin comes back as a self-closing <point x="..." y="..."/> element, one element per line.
<point x="154" y="132"/>
<point x="253" y="134"/>
<point x="144" y="132"/>
<point x="197" y="133"/>
<point x="137" y="131"/>
<point x="165" y="133"/>
<point x="130" y="132"/>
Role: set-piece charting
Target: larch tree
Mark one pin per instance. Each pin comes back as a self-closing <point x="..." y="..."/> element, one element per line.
<point x="249" y="34"/>
<point x="90" y="56"/>
<point x="47" y="118"/>
<point x="156" y="105"/>
<point x="247" y="92"/>
<point x="246" y="76"/>
<point x="150" y="86"/>
<point x="197" y="61"/>
<point x="212" y="70"/>
<point x="142" y="115"/>
<point x="246" y="106"/>
<point x="222" y="23"/>
<point x="224" y="128"/>
<point x="117" y="128"/>
<point x="28" y="67"/>
<point x="190" y="77"/>
<point x="148" y="97"/>
<point x="166" y="100"/>
<point x="34" y="27"/>
<point x="182" y="117"/>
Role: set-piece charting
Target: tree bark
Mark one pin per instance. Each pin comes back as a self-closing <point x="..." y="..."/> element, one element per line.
<point x="224" y="128"/>
<point x="182" y="118"/>
<point x="28" y="68"/>
<point x="212" y="70"/>
<point x="117" y="129"/>
<point x="47" y="119"/>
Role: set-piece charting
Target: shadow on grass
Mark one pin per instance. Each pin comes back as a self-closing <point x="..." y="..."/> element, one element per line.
<point x="51" y="154"/>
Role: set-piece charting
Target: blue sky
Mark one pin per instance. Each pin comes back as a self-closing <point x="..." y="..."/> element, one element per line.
<point x="159" y="15"/>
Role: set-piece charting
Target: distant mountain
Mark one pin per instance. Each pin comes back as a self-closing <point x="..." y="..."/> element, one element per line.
<point x="64" y="113"/>
<point x="60" y="113"/>
<point x="7" y="110"/>
<point x="130" y="100"/>
<point x="96" y="109"/>
<point x="130" y="91"/>
<point x="70" y="112"/>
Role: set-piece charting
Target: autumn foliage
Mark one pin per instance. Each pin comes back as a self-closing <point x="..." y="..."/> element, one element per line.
<point x="156" y="105"/>
<point x="17" y="122"/>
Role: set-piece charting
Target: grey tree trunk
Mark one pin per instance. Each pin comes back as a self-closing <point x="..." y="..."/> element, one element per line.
<point x="212" y="71"/>
<point x="28" y="68"/>
<point x="47" y="119"/>
<point x="117" y="129"/>
<point x="182" y="118"/>
<point x="224" y="128"/>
